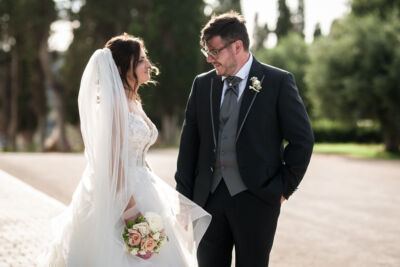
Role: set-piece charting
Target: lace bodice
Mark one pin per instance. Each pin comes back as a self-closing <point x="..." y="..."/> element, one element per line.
<point x="141" y="137"/>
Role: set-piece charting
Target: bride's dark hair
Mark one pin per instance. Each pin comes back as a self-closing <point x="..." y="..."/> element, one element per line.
<point x="124" y="47"/>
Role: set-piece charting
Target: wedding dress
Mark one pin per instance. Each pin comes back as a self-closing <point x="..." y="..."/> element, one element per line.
<point x="89" y="232"/>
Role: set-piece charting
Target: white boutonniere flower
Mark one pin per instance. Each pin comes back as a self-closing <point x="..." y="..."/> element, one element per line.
<point x="255" y="84"/>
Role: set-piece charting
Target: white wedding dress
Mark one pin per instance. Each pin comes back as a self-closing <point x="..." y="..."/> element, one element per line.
<point x="89" y="232"/>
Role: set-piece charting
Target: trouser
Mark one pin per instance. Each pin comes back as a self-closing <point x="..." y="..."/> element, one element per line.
<point x="244" y="221"/>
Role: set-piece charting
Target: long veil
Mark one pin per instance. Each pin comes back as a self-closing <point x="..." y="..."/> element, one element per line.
<point x="89" y="231"/>
<point x="85" y="233"/>
<point x="103" y="111"/>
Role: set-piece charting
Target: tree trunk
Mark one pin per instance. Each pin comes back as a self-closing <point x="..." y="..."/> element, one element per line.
<point x="59" y="93"/>
<point x="4" y="103"/>
<point x="42" y="132"/>
<point x="13" y="125"/>
<point x="40" y="84"/>
<point x="391" y="136"/>
<point x="169" y="129"/>
<point x="25" y="138"/>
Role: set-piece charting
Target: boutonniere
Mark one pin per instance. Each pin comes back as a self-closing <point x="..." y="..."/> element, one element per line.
<point x="255" y="84"/>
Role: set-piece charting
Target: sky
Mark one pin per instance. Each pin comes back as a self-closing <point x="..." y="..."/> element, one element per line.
<point x="322" y="11"/>
<point x="316" y="11"/>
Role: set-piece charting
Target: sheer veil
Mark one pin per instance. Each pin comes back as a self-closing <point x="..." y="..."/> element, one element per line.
<point x="85" y="233"/>
<point x="89" y="232"/>
<point x="103" y="110"/>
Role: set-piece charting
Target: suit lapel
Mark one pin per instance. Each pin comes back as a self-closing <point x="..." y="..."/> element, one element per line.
<point x="248" y="95"/>
<point x="215" y="103"/>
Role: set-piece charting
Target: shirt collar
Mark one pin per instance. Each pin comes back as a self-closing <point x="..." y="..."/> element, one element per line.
<point x="243" y="73"/>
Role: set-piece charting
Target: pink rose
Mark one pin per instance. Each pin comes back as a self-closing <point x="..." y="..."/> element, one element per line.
<point x="148" y="244"/>
<point x="134" y="237"/>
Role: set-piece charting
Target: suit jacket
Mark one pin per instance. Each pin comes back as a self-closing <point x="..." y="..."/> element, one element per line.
<point x="267" y="118"/>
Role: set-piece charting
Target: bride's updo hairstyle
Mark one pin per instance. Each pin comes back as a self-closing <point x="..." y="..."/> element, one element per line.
<point x="124" y="47"/>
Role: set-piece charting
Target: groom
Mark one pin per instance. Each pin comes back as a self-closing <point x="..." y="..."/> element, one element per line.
<point x="232" y="158"/>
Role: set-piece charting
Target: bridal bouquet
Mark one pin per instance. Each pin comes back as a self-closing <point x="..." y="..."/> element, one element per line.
<point x="145" y="235"/>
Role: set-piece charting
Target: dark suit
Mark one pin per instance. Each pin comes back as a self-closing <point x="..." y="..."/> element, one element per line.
<point x="268" y="169"/>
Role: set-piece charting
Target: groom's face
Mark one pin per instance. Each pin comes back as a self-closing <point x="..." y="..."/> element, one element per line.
<point x="225" y="63"/>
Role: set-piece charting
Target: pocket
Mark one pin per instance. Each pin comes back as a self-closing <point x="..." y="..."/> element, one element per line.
<point x="272" y="172"/>
<point x="271" y="191"/>
<point x="275" y="186"/>
<point x="267" y="175"/>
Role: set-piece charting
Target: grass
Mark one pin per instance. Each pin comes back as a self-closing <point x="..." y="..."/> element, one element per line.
<point x="375" y="151"/>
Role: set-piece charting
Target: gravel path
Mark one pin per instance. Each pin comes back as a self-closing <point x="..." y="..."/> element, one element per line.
<point x="345" y="213"/>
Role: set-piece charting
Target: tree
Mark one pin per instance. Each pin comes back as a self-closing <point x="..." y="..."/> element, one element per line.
<point x="172" y="47"/>
<point x="382" y="8"/>
<point x="284" y="24"/>
<point x="317" y="31"/>
<point x="4" y="96"/>
<point x="299" y="19"/>
<point x="97" y="25"/>
<point x="46" y="14"/>
<point x="354" y="73"/>
<point x="10" y="29"/>
<point x="227" y="5"/>
<point x="176" y="51"/>
<point x="291" y="54"/>
<point x="24" y="33"/>
<point x="260" y="34"/>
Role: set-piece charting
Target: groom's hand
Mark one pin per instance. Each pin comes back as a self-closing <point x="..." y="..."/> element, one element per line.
<point x="282" y="199"/>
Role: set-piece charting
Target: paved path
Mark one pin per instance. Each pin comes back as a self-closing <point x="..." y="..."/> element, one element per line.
<point x="24" y="221"/>
<point x="345" y="213"/>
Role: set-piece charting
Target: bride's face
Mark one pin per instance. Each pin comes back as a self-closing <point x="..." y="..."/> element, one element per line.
<point x="143" y="70"/>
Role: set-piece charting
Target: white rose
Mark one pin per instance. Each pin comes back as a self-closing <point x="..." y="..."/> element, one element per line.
<point x="156" y="236"/>
<point x="142" y="252"/>
<point x="134" y="251"/>
<point x="143" y="228"/>
<point x="138" y="225"/>
<point x="155" y="221"/>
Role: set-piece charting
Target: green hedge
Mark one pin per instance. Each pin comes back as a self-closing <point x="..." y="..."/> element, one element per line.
<point x="338" y="132"/>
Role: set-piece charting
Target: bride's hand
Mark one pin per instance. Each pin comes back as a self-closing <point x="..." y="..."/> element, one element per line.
<point x="131" y="214"/>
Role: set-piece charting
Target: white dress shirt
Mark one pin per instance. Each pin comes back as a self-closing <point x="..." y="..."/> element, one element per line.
<point x="243" y="73"/>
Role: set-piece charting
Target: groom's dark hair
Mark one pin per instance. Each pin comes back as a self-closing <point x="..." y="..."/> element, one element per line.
<point x="230" y="26"/>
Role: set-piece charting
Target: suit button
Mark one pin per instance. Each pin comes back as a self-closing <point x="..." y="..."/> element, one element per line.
<point x="211" y="168"/>
<point x="214" y="150"/>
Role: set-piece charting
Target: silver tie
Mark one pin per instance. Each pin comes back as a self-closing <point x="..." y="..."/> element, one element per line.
<point x="230" y="98"/>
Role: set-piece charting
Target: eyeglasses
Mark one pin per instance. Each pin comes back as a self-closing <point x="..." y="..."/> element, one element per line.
<point x="214" y="53"/>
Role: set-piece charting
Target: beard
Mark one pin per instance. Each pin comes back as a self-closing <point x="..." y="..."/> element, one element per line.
<point x="226" y="69"/>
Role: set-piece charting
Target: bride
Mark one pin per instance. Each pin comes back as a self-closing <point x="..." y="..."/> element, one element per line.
<point x="118" y="184"/>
